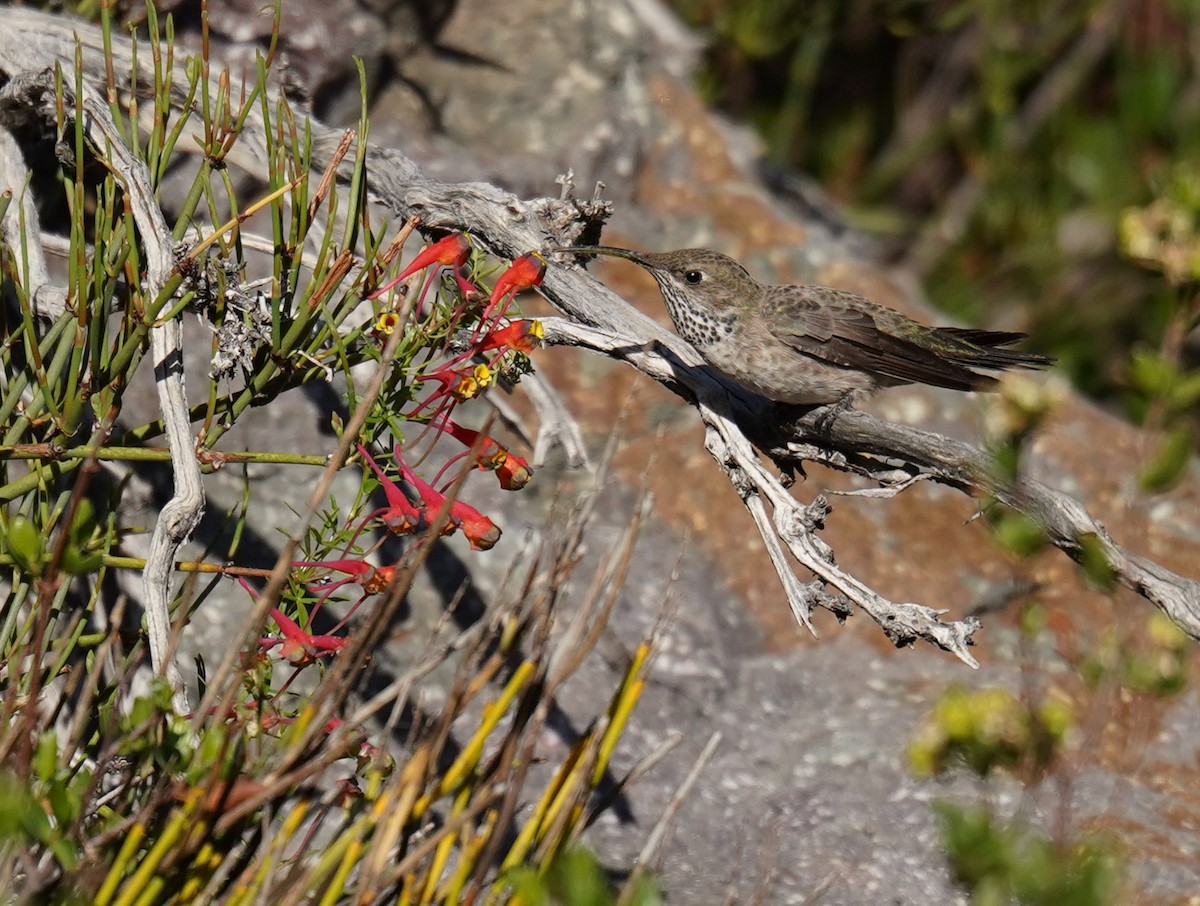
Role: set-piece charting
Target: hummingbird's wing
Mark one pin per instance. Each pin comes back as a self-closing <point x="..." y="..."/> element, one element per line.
<point x="845" y="329"/>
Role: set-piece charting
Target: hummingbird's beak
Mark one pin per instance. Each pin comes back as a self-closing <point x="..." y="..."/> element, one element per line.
<point x="609" y="250"/>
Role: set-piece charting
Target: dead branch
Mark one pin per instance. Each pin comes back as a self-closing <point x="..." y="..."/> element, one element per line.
<point x="180" y="515"/>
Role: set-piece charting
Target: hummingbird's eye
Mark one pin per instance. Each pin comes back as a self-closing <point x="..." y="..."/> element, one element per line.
<point x="693" y="277"/>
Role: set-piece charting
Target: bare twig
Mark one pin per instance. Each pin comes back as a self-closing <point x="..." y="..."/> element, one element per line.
<point x="803" y="599"/>
<point x="556" y="424"/>
<point x="182" y="512"/>
<point x="1064" y="520"/>
<point x="658" y="834"/>
<point x="796" y="525"/>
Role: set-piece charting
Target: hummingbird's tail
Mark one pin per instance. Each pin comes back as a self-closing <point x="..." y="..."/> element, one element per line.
<point x="983" y="349"/>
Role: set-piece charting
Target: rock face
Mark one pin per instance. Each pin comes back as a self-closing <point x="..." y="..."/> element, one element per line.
<point x="808" y="788"/>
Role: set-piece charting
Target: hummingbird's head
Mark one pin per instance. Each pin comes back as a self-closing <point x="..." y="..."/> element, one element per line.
<point x="706" y="292"/>
<point x="700" y="279"/>
<point x="705" y="281"/>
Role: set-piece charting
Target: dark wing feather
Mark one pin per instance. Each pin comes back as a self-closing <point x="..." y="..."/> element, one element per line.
<point x="845" y="329"/>
<point x="982" y="351"/>
<point x="839" y="328"/>
<point x="979" y="337"/>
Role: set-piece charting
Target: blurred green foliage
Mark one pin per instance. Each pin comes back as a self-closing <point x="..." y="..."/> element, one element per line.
<point x="1022" y="157"/>
<point x="989" y="729"/>
<point x="1038" y="738"/>
<point x="576" y="878"/>
<point x="1001" y="863"/>
<point x="1153" y="664"/>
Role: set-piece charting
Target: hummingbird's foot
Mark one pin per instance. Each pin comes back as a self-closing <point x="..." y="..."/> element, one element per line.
<point x="826" y="415"/>
<point x="653" y="346"/>
<point x="788" y="472"/>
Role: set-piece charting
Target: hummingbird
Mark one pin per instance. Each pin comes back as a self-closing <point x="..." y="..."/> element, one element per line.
<point x="813" y="345"/>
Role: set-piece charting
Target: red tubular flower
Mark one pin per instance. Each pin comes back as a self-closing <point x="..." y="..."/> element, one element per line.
<point x="380" y="579"/>
<point x="400" y="516"/>
<point x="297" y="646"/>
<point x="452" y="251"/>
<point x="479" y="529"/>
<point x="471" y="292"/>
<point x="489" y="454"/>
<point x="430" y="496"/>
<point x="526" y="271"/>
<point x="355" y="569"/>
<point x="372" y="578"/>
<point x="523" y="336"/>
<point x="357" y="572"/>
<point x="514" y="473"/>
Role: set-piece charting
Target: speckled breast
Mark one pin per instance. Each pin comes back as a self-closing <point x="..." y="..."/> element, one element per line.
<point x="700" y="328"/>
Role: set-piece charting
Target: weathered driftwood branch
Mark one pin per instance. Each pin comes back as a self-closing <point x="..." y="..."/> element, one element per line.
<point x="1064" y="520"/>
<point x="20" y="225"/>
<point x="180" y="515"/>
<point x="600" y="320"/>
